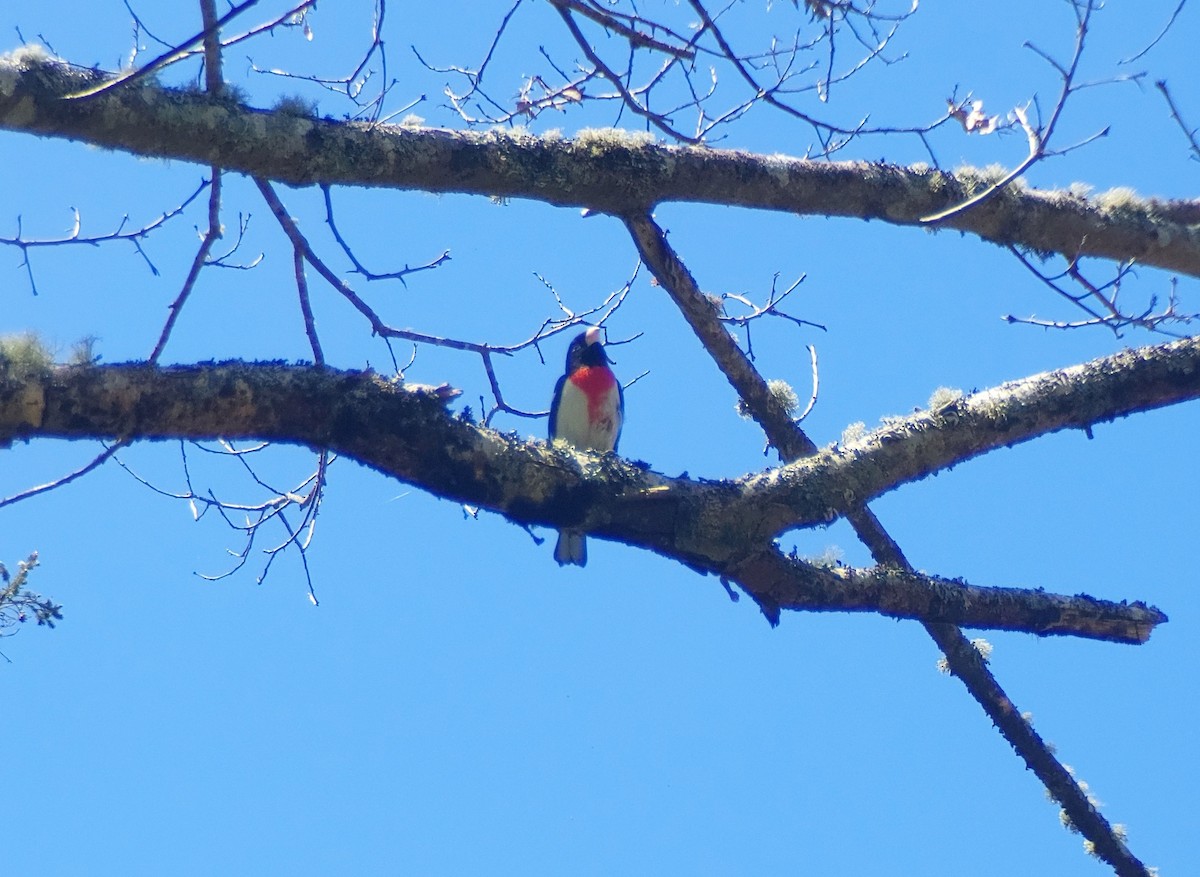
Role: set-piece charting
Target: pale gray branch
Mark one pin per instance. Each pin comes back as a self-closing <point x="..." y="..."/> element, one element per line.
<point x="614" y="172"/>
<point x="915" y="447"/>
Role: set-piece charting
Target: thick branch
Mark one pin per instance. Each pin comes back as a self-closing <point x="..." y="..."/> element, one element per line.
<point x="759" y="576"/>
<point x="615" y="172"/>
<point x="902" y="593"/>
<point x="967" y="663"/>
<point x="910" y="449"/>
<point x="408" y="434"/>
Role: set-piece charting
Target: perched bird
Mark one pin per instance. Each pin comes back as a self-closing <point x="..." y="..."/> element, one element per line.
<point x="587" y="412"/>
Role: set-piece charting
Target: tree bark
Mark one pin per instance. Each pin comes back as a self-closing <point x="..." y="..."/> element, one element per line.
<point x="725" y="528"/>
<point x="610" y="171"/>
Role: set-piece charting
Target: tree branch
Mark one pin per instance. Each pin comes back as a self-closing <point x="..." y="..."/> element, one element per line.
<point x="615" y="172"/>
<point x="791" y="583"/>
<point x="928" y="442"/>
<point x="962" y="659"/>
<point x="408" y="434"/>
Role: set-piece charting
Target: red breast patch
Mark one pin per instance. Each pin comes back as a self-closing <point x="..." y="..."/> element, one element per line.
<point x="595" y="381"/>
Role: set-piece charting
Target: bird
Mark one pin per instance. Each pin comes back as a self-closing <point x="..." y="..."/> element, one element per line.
<point x="587" y="412"/>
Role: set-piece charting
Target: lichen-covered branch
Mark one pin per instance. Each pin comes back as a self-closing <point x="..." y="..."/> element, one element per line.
<point x="408" y="434"/>
<point x="609" y="171"/>
<point x="1078" y="806"/>
<point x="915" y="447"/>
<point x="760" y="574"/>
<point x="899" y="593"/>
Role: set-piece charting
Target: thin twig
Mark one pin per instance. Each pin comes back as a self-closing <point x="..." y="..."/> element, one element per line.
<point x="636" y="37"/>
<point x="98" y="461"/>
<point x="658" y="120"/>
<point x="359" y="268"/>
<point x="1189" y="133"/>
<point x="1162" y="33"/>
<point x="177" y="53"/>
<point x="1038" y="136"/>
<point x="816" y="385"/>
<point x="310" y="324"/>
<point x="198" y="261"/>
<point x="76" y="236"/>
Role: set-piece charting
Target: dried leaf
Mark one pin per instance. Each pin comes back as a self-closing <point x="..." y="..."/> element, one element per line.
<point x="973" y="119"/>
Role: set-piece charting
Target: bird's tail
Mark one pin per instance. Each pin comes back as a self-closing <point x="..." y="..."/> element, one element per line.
<point x="571" y="548"/>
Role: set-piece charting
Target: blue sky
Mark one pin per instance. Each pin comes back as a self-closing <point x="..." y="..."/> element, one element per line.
<point x="459" y="704"/>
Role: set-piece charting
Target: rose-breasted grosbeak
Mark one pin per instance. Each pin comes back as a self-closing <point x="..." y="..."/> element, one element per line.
<point x="587" y="412"/>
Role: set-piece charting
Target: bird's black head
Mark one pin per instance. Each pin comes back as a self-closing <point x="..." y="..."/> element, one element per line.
<point x="586" y="350"/>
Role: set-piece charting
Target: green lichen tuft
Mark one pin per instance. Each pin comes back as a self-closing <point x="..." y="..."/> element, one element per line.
<point x="600" y="139"/>
<point x="783" y="394"/>
<point x="983" y="647"/>
<point x="978" y="179"/>
<point x="294" y="105"/>
<point x="83" y="351"/>
<point x="853" y="433"/>
<point x="24" y="356"/>
<point x="28" y="56"/>
<point x="943" y="396"/>
<point x="21" y="60"/>
<point x="830" y="558"/>
<point x="1121" y="201"/>
<point x="1080" y="191"/>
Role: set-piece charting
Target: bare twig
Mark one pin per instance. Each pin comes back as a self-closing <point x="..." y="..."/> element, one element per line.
<point x="474" y="77"/>
<point x="1162" y="33"/>
<point x="98" y="461"/>
<point x="637" y="38"/>
<point x="1188" y="132"/>
<point x="254" y="516"/>
<point x="1100" y="301"/>
<point x="215" y="86"/>
<point x="176" y="53"/>
<point x="1037" y="135"/>
<point x="359" y="268"/>
<point x="354" y="83"/>
<point x="310" y="325"/>
<point x="658" y="120"/>
<point x="770" y="94"/>
<point x="485" y="351"/>
<point x="198" y="261"/>
<point x="816" y="385"/>
<point x="770" y="309"/>
<point x="135" y="237"/>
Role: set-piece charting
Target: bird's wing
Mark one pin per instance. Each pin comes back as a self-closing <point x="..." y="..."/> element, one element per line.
<point x="620" y="415"/>
<point x="558" y="391"/>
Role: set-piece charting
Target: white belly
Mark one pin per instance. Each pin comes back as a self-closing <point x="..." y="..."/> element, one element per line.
<point x="599" y="431"/>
